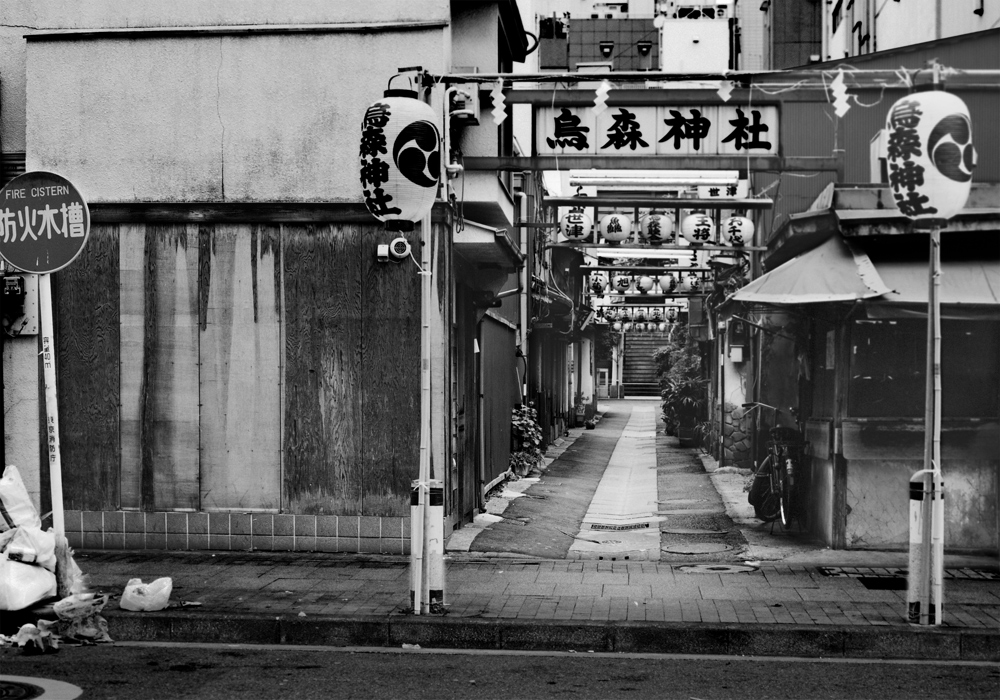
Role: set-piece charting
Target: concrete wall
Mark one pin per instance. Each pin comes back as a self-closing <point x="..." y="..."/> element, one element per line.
<point x="878" y="504"/>
<point x="208" y="116"/>
<point x="212" y="118"/>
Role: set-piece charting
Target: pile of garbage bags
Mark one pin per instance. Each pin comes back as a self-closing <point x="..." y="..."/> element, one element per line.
<point x="38" y="564"/>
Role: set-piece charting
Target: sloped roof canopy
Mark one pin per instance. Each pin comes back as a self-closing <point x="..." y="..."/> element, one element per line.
<point x="833" y="271"/>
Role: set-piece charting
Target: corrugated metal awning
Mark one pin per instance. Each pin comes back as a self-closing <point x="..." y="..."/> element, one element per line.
<point x="833" y="271"/>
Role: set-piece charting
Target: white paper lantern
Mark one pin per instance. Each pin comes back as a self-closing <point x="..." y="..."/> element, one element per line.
<point x="672" y="314"/>
<point x="644" y="285"/>
<point x="657" y="229"/>
<point x="698" y="229"/>
<point x="622" y="283"/>
<point x="930" y="155"/>
<point x="617" y="325"/>
<point x="668" y="283"/>
<point x="400" y="159"/>
<point x="576" y="225"/>
<point x="615" y="228"/>
<point x="694" y="283"/>
<point x="661" y="327"/>
<point x="627" y="326"/>
<point x="598" y="283"/>
<point x="737" y="231"/>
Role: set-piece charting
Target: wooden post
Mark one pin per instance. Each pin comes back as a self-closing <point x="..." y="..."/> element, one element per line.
<point x="51" y="403"/>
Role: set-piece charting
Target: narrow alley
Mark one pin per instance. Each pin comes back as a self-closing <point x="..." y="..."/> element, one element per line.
<point x="624" y="491"/>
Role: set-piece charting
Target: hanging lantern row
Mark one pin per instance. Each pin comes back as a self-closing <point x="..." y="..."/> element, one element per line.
<point x="629" y="326"/>
<point x="682" y="283"/>
<point x="400" y="159"/>
<point x="656" y="229"/>
<point x="639" y="314"/>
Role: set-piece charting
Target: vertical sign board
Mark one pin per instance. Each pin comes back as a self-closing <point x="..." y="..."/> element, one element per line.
<point x="44" y="224"/>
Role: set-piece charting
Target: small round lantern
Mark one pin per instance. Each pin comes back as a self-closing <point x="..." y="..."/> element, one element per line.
<point x="930" y="155"/>
<point x="627" y="326"/>
<point x="622" y="283"/>
<point x="598" y="283"/>
<point x="615" y="228"/>
<point x="644" y="285"/>
<point x="661" y="327"/>
<point x="576" y="225"/>
<point x="656" y="229"/>
<point x="694" y="283"/>
<point x="737" y="231"/>
<point x="668" y="283"/>
<point x="698" y="229"/>
<point x="617" y="326"/>
<point x="672" y="314"/>
<point x="400" y="159"/>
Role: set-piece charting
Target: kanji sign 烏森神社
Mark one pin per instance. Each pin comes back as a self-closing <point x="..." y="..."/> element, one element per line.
<point x="44" y="222"/>
<point x="661" y="130"/>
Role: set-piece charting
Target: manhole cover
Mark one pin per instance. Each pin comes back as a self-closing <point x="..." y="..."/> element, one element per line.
<point x="693" y="531"/>
<point x="26" y="688"/>
<point x="609" y="526"/>
<point x="697" y="548"/>
<point x="716" y="569"/>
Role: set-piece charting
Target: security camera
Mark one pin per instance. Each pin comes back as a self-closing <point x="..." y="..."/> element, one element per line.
<point x="382" y="253"/>
<point x="399" y="249"/>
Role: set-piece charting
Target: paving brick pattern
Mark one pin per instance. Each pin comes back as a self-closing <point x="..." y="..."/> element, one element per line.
<point x="344" y="585"/>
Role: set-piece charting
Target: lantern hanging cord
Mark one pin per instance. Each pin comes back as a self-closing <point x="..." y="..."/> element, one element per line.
<point x="422" y="271"/>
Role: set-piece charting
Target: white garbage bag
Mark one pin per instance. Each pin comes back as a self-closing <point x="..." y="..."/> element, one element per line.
<point x="23" y="585"/>
<point x="32" y="545"/>
<point x="16" y="508"/>
<point x="140" y="596"/>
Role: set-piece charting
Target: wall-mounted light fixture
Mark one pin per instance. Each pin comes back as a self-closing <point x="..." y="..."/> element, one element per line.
<point x="606" y="48"/>
<point x="644" y="47"/>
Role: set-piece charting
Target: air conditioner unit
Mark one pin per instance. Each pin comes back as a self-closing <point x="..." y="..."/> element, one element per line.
<point x="464" y="99"/>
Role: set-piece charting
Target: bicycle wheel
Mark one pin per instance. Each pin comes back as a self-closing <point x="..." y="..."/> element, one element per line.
<point x="768" y="505"/>
<point x="787" y="502"/>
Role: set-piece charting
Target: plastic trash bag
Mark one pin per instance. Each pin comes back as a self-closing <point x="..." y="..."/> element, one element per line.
<point x="33" y="640"/>
<point x="140" y="596"/>
<point x="23" y="585"/>
<point x="17" y="510"/>
<point x="32" y="545"/>
<point x="80" y="620"/>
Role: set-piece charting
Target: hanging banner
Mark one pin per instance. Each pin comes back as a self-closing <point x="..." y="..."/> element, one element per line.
<point x="657" y="130"/>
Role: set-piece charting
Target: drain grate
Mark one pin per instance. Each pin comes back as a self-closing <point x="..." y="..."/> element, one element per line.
<point x="862" y="572"/>
<point x="609" y="526"/>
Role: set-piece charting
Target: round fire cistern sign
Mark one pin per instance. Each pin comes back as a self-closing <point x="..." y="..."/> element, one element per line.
<point x="44" y="222"/>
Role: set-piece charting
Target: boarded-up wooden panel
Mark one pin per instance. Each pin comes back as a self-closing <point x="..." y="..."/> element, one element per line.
<point x="240" y="368"/>
<point x="85" y="297"/>
<point x="500" y="394"/>
<point x="160" y="416"/>
<point x="322" y="313"/>
<point x="468" y="480"/>
<point x="390" y="379"/>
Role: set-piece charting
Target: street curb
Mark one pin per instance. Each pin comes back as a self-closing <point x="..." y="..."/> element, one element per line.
<point x="827" y="641"/>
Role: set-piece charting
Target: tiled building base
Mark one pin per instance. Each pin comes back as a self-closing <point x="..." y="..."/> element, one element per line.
<point x="238" y="532"/>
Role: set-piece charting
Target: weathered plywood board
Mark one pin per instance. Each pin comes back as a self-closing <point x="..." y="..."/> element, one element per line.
<point x="240" y="368"/>
<point x="86" y="306"/>
<point x="160" y="415"/>
<point x="390" y="380"/>
<point x="322" y="313"/>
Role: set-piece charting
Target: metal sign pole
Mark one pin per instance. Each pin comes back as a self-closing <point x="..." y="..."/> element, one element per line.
<point x="51" y="403"/>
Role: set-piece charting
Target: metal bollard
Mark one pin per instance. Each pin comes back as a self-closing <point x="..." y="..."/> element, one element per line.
<point x="925" y="591"/>
<point x="435" y="546"/>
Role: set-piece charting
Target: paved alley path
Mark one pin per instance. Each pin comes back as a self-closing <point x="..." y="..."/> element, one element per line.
<point x="621" y="492"/>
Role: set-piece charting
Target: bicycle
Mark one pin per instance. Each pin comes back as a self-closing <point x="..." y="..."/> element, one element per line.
<point x="774" y="489"/>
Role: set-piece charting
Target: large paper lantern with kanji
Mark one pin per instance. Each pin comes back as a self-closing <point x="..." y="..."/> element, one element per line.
<point x="737" y="231"/>
<point x="656" y="229"/>
<point x="615" y="228"/>
<point x="644" y="284"/>
<point x="668" y="284"/>
<point x="622" y="283"/>
<point x="698" y="229"/>
<point x="400" y="159"/>
<point x="930" y="155"/>
<point x="576" y="225"/>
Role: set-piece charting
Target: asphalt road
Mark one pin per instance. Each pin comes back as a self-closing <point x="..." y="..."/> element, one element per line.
<point x="161" y="672"/>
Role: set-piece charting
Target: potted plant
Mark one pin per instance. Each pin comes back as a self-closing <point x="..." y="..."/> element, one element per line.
<point x="682" y="387"/>
<point x="527" y="434"/>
